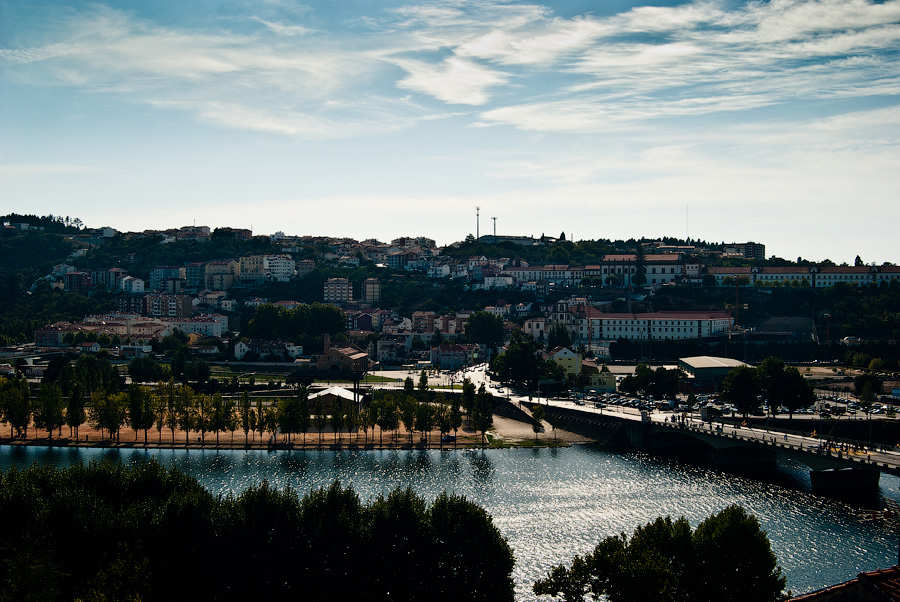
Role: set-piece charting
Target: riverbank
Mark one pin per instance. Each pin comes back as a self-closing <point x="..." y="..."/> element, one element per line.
<point x="505" y="433"/>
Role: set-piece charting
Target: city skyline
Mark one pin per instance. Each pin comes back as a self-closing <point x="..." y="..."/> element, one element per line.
<point x="723" y="121"/>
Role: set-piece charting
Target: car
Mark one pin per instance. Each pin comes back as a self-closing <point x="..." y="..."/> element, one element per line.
<point x="448" y="438"/>
<point x="579" y="402"/>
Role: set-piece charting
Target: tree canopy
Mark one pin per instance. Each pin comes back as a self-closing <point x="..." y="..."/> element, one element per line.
<point x="147" y="533"/>
<point x="728" y="557"/>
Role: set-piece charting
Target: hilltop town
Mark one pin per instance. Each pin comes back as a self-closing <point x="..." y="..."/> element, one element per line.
<point x="322" y="303"/>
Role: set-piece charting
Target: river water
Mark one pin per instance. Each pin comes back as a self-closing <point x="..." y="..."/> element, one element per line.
<point x="554" y="503"/>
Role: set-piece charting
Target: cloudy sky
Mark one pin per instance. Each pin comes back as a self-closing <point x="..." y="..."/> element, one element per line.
<point x="777" y="122"/>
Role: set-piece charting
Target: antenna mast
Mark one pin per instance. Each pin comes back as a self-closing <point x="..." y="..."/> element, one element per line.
<point x="477" y="222"/>
<point x="495" y="226"/>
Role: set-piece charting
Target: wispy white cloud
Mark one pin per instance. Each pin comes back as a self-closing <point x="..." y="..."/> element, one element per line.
<point x="282" y="29"/>
<point x="454" y="81"/>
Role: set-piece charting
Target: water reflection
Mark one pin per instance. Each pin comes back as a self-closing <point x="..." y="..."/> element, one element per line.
<point x="554" y="503"/>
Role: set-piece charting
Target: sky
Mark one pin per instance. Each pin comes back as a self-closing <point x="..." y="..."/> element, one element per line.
<point x="727" y="121"/>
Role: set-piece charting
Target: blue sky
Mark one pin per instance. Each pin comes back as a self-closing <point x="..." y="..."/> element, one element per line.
<point x="777" y="122"/>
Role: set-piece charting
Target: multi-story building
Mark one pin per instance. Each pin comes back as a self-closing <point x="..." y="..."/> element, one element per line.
<point x="338" y="290"/>
<point x="170" y="306"/>
<point x="423" y="321"/>
<point x="747" y="250"/>
<point x="804" y="276"/>
<point x="280" y="268"/>
<point x="220" y="275"/>
<point x="660" y="325"/>
<point x="210" y="325"/>
<point x="77" y="281"/>
<point x="161" y="273"/>
<point x="454" y="357"/>
<point x="371" y="292"/>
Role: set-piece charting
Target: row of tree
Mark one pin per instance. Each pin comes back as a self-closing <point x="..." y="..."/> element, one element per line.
<point x="660" y="383"/>
<point x="773" y="382"/>
<point x="173" y="407"/>
<point x="142" y="532"/>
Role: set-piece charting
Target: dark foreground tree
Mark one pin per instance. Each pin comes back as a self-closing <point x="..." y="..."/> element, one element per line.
<point x="728" y="557"/>
<point x="147" y="533"/>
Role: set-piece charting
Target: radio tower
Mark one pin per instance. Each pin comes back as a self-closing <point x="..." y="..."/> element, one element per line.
<point x="495" y="226"/>
<point x="477" y="222"/>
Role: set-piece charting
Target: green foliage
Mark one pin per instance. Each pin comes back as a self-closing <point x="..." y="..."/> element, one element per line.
<point x="49" y="409"/>
<point x="860" y="382"/>
<point x="728" y="557"/>
<point x="537" y="415"/>
<point x="423" y="381"/>
<point x="660" y="383"/>
<point x="484" y="328"/>
<point x="558" y="337"/>
<point x="481" y="417"/>
<point x="521" y="362"/>
<point x="304" y="324"/>
<point x="741" y="388"/>
<point x="145" y="369"/>
<point x="15" y="404"/>
<point x="21" y="314"/>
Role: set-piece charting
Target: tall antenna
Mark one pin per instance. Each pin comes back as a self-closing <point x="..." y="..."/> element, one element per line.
<point x="477" y="223"/>
<point x="687" y="222"/>
<point x="495" y="226"/>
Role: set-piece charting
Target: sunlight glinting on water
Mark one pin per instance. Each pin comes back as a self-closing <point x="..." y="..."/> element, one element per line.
<point x="552" y="504"/>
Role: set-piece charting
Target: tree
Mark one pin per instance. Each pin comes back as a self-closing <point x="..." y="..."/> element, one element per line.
<point x="108" y="412"/>
<point x="482" y="417"/>
<point x="442" y="417"/>
<point x="244" y="406"/>
<point x="141" y="413"/>
<point x="797" y="393"/>
<point x="408" y="385"/>
<point x="144" y="369"/>
<point x="408" y="407"/>
<point x="735" y="559"/>
<point x="728" y="557"/>
<point x="185" y="402"/>
<point x="337" y="417"/>
<point x="351" y="420"/>
<point x="455" y="418"/>
<point x="537" y="415"/>
<point x="484" y="328"/>
<point x="48" y="412"/>
<point x="468" y="396"/>
<point x="320" y="418"/>
<point x="558" y="337"/>
<point x="520" y="363"/>
<point x="15" y="401"/>
<point x="741" y="389"/>
<point x="860" y="382"/>
<point x="288" y="416"/>
<point x="303" y="415"/>
<point x="169" y="399"/>
<point x="770" y="378"/>
<point x="424" y="420"/>
<point x="220" y="412"/>
<point x="423" y="381"/>
<point x="640" y="270"/>
<point x="75" y="414"/>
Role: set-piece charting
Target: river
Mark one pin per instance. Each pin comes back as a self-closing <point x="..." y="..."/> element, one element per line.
<point x="554" y="503"/>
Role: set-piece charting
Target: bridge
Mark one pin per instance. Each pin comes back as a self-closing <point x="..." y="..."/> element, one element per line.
<point x="727" y="445"/>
